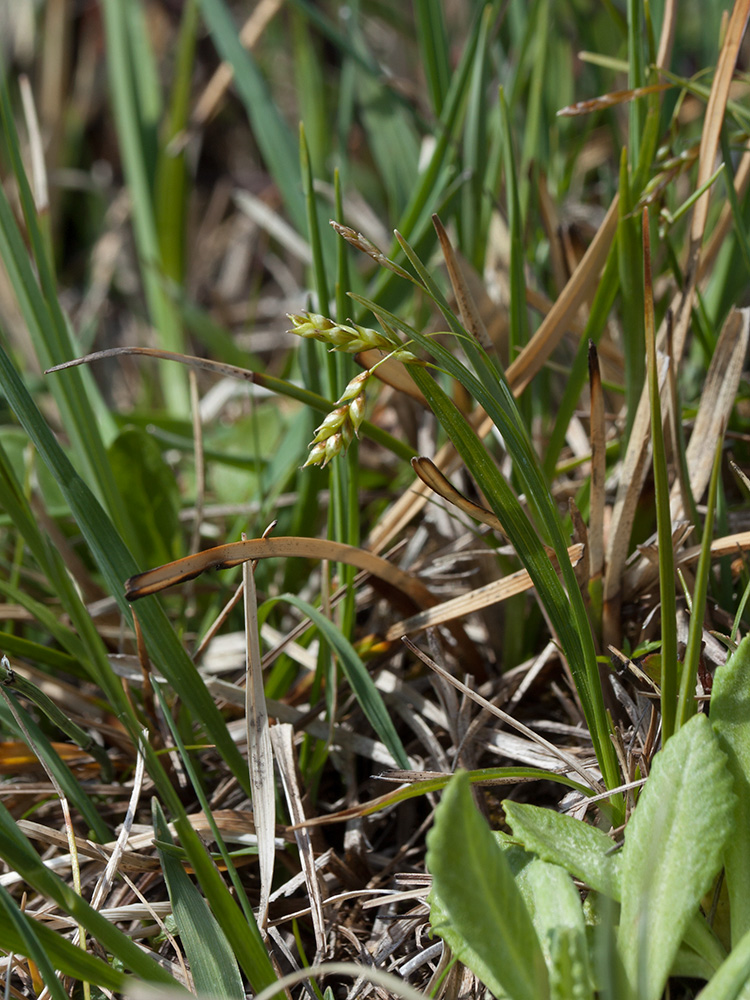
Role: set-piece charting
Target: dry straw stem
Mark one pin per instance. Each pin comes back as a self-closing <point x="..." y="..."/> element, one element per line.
<point x="717" y="400"/>
<point x="567" y="759"/>
<point x="282" y="738"/>
<point x="260" y="754"/>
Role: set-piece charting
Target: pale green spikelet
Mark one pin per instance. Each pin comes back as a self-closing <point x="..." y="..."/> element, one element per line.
<point x="350" y="338"/>
<point x="341" y="425"/>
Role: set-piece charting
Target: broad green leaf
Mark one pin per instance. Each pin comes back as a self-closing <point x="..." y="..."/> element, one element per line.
<point x="732" y="981"/>
<point x="356" y="673"/>
<point x="555" y="907"/>
<point x="212" y="962"/>
<point x="151" y="490"/>
<point x="582" y="850"/>
<point x="731" y="722"/>
<point x="673" y="848"/>
<point x="476" y="904"/>
<point x="587" y="853"/>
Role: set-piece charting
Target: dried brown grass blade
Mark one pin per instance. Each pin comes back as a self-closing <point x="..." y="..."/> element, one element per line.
<point x="609" y="100"/>
<point x="715" y="108"/>
<point x="401" y="588"/>
<point x="431" y="476"/>
<point x="717" y="400"/>
<point x="467" y="307"/>
<point x="236" y="553"/>
<point x="412" y="500"/>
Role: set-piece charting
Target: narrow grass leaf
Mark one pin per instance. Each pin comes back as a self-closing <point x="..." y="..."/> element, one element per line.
<point x="31" y="946"/>
<point x="731" y="722"/>
<point x="123" y="44"/>
<point x="663" y="515"/>
<point x="42" y="748"/>
<point x="212" y="962"/>
<point x="116" y="564"/>
<point x="274" y="138"/>
<point x="356" y="673"/>
<point x="686" y="705"/>
<point x="22" y="935"/>
<point x="432" y="39"/>
<point x="475" y="903"/>
<point x="674" y="845"/>
<point x="519" y="322"/>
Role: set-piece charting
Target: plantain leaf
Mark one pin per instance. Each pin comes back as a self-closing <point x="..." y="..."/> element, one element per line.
<point x="475" y="903"/>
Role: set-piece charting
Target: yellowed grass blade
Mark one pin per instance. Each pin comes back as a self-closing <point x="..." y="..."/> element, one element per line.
<point x="475" y="600"/>
<point x="557" y="321"/>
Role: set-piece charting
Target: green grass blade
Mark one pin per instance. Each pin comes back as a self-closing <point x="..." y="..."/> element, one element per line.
<point x="23" y="935"/>
<point x="663" y="516"/>
<point x="356" y="673"/>
<point x="200" y="794"/>
<point x="686" y="705"/>
<point x="475" y="156"/>
<point x="116" y="564"/>
<point x="432" y="39"/>
<point x="519" y="323"/>
<point x="212" y="963"/>
<point x="171" y="185"/>
<point x="275" y="140"/>
<point x="573" y="630"/>
<point x="121" y="62"/>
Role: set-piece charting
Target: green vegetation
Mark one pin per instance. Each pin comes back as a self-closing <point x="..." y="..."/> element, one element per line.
<point x="321" y="541"/>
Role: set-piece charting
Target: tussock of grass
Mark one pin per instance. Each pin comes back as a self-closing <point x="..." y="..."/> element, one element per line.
<point x="523" y="556"/>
